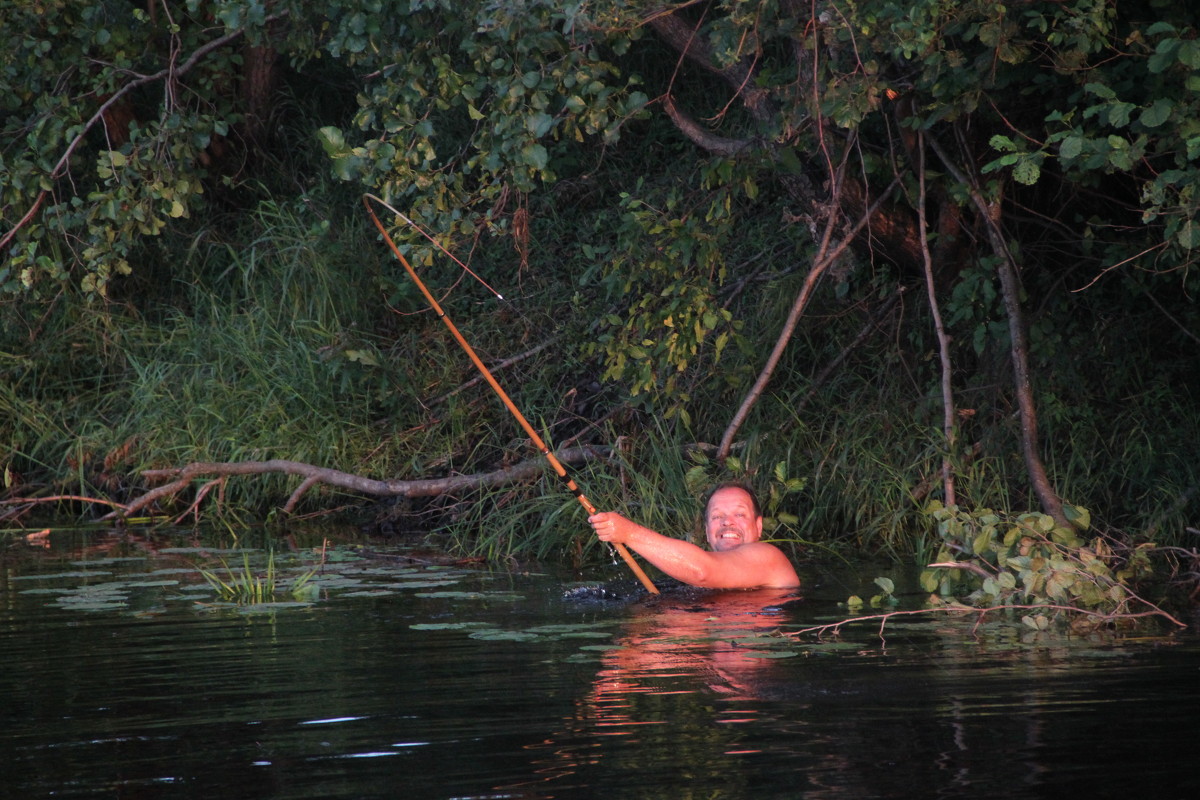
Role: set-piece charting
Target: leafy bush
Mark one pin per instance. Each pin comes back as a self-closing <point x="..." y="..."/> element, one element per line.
<point x="991" y="558"/>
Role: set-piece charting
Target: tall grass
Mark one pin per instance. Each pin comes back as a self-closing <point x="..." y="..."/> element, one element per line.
<point x="269" y="334"/>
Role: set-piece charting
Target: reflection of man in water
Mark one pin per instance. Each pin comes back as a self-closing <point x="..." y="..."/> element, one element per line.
<point x="733" y="523"/>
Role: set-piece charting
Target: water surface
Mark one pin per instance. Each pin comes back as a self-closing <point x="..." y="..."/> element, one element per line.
<point x="123" y="676"/>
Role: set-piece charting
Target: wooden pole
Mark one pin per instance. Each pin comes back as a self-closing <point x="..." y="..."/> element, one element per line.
<point x="504" y="398"/>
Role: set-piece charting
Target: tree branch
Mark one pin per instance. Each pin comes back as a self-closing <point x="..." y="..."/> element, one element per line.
<point x="957" y="608"/>
<point x="949" y="428"/>
<point x="181" y="477"/>
<point x="701" y="136"/>
<point x="824" y="259"/>
<point x="505" y="364"/>
<point x="680" y="34"/>
<point x="989" y="213"/>
<point x="170" y="71"/>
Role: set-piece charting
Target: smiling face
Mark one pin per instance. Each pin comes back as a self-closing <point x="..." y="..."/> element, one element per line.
<point x="730" y="521"/>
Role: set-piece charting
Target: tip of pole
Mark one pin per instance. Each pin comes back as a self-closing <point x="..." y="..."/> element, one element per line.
<point x="499" y="295"/>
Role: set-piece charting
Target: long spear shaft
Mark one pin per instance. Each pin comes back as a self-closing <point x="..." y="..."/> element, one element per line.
<point x="537" y="440"/>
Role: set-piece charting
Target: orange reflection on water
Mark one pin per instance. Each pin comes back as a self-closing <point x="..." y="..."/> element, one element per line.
<point x="672" y="642"/>
<point x="670" y="647"/>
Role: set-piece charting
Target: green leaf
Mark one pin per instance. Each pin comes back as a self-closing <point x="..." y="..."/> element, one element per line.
<point x="1038" y="623"/>
<point x="535" y="155"/>
<point x="539" y="124"/>
<point x="1188" y="235"/>
<point x="1003" y="144"/>
<point x="983" y="541"/>
<point x="1070" y="147"/>
<point x="1078" y="516"/>
<point x="1164" y="56"/>
<point x="1157" y="114"/>
<point x="1027" y="172"/>
<point x="332" y="140"/>
<point x="1119" y="114"/>
<point x="365" y="357"/>
<point x="1189" y="53"/>
<point x="929" y="580"/>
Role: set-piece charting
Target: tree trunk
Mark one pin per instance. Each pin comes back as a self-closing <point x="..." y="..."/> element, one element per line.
<point x="1009" y="286"/>
<point x="1018" y="348"/>
<point x="258" y="86"/>
<point x="949" y="428"/>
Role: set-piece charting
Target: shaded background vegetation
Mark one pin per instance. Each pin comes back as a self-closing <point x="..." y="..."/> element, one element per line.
<point x="188" y="274"/>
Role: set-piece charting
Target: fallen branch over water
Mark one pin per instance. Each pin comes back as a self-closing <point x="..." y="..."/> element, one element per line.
<point x="1099" y="617"/>
<point x="182" y="477"/>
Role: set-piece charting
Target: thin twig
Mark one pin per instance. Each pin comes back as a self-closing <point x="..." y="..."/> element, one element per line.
<point x="505" y="364"/>
<point x="58" y="497"/>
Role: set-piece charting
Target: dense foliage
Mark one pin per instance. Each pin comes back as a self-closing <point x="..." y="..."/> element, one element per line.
<point x="187" y="274"/>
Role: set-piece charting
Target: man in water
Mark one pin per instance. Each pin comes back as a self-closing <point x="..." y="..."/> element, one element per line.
<point x="733" y="523"/>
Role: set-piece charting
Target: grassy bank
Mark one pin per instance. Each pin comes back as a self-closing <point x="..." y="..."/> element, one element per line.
<point x="287" y="332"/>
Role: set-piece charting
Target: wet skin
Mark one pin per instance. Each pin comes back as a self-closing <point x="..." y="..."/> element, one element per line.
<point x="738" y="560"/>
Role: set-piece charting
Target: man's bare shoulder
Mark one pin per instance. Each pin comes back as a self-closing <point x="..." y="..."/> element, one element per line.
<point x="763" y="564"/>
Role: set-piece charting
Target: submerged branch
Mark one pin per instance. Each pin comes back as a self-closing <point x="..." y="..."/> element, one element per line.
<point x="1099" y="616"/>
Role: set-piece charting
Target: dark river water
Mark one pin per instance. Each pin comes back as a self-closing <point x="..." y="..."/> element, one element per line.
<point x="124" y="675"/>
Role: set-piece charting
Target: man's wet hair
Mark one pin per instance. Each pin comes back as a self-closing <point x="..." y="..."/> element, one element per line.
<point x="745" y="487"/>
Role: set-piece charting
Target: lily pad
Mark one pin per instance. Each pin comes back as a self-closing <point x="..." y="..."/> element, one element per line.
<point x="423" y="584"/>
<point x="568" y="628"/>
<point x="91" y="573"/>
<point x="603" y="647"/>
<point x="335" y="581"/>
<point x="586" y="635"/>
<point x="448" y="626"/>
<point x="215" y="551"/>
<point x="503" y="596"/>
<point x="93" y="604"/>
<point x="505" y="636"/>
